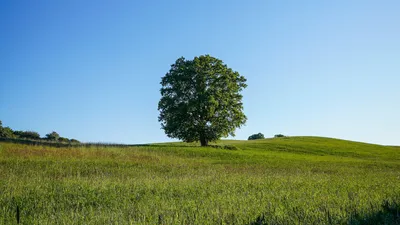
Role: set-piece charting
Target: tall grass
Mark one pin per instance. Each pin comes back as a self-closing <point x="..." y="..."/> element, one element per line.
<point x="299" y="180"/>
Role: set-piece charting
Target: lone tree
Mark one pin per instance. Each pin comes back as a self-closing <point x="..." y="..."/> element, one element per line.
<point x="201" y="100"/>
<point x="256" y="136"/>
<point x="53" y="136"/>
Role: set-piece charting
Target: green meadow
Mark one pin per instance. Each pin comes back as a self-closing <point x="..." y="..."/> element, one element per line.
<point x="291" y="180"/>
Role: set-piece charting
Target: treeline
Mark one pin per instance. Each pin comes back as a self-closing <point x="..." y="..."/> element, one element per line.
<point x="8" y="133"/>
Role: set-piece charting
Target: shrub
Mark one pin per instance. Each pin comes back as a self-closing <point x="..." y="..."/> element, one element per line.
<point x="256" y="136"/>
<point x="279" y="135"/>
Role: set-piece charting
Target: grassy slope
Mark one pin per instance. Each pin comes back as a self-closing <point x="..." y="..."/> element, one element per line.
<point x="303" y="180"/>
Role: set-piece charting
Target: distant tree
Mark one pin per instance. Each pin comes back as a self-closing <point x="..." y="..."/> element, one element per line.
<point x="6" y="132"/>
<point x="28" y="134"/>
<point x="63" y="139"/>
<point x="18" y="133"/>
<point x="279" y="135"/>
<point x="74" y="141"/>
<point x="256" y="136"/>
<point x="201" y="100"/>
<point x="53" y="136"/>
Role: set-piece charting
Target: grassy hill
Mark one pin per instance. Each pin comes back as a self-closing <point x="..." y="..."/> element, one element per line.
<point x="296" y="180"/>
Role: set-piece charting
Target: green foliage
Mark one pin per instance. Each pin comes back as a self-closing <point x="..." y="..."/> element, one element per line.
<point x="201" y="100"/>
<point x="279" y="135"/>
<point x="256" y="136"/>
<point x="294" y="180"/>
<point x="74" y="141"/>
<point x="53" y="136"/>
<point x="6" y="132"/>
<point x="27" y="134"/>
<point x="18" y="133"/>
<point x="63" y="139"/>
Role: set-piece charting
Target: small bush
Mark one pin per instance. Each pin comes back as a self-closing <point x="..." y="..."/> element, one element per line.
<point x="256" y="136"/>
<point x="279" y="135"/>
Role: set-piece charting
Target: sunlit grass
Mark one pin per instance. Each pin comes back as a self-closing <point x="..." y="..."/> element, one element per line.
<point x="298" y="180"/>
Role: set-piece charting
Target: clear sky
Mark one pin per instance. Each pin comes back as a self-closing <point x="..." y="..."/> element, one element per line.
<point x="91" y="70"/>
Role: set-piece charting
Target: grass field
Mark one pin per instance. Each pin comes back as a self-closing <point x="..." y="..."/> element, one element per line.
<point x="296" y="180"/>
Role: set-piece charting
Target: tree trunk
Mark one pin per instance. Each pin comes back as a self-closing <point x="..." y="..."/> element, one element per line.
<point x="203" y="141"/>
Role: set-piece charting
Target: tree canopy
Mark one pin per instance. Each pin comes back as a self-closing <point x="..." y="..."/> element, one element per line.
<point x="256" y="136"/>
<point x="5" y="132"/>
<point x="27" y="134"/>
<point x="53" y="136"/>
<point x="201" y="100"/>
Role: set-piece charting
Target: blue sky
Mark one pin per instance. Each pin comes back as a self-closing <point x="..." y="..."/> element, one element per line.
<point x="91" y="70"/>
